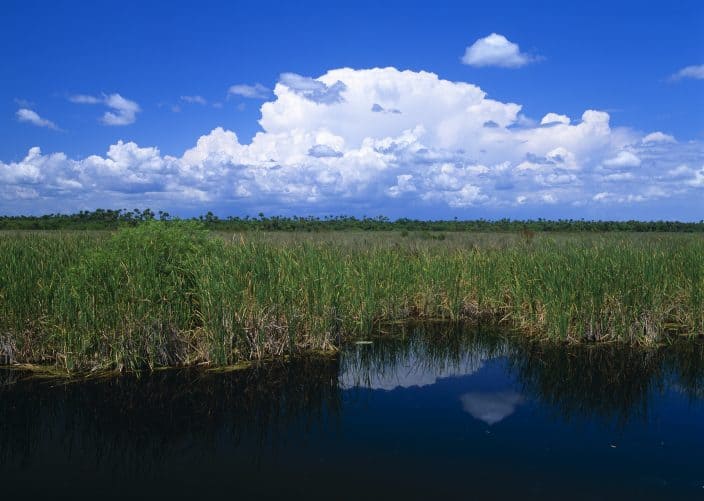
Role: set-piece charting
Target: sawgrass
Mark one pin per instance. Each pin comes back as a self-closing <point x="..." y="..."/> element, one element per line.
<point x="173" y="294"/>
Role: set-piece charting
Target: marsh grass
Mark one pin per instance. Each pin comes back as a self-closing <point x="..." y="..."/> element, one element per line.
<point x="172" y="294"/>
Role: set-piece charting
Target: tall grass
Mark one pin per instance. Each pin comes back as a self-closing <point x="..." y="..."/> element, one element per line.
<point x="165" y="294"/>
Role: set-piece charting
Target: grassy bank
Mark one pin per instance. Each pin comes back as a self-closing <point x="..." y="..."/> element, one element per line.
<point x="166" y="294"/>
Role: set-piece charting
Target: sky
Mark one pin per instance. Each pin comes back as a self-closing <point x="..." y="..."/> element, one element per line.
<point x="425" y="110"/>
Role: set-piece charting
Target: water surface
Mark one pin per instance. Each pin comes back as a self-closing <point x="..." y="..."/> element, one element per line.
<point x="427" y="415"/>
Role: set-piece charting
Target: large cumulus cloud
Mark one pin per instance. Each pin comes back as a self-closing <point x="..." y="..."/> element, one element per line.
<point x="325" y="146"/>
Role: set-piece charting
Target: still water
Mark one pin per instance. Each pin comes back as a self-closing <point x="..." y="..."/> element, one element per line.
<point x="429" y="415"/>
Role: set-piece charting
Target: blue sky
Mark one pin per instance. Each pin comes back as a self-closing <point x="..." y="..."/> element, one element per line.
<point x="163" y="70"/>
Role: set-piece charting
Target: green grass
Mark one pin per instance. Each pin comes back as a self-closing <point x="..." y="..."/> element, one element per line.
<point x="173" y="294"/>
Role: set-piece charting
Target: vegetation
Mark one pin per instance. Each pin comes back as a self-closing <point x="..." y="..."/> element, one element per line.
<point x="174" y="294"/>
<point x="102" y="219"/>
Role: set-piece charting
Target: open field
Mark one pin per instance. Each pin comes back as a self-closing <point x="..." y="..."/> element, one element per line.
<point x="171" y="294"/>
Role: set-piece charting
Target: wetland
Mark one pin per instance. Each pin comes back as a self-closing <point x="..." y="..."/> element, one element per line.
<point x="427" y="412"/>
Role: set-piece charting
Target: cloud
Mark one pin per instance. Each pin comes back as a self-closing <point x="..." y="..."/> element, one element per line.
<point x="256" y="91"/>
<point x="312" y="89"/>
<point x="622" y="159"/>
<point x="496" y="50"/>
<point x="627" y="198"/>
<point x="23" y="103"/>
<point x="554" y="118"/>
<point x="122" y="111"/>
<point x="324" y="146"/>
<point x="194" y="100"/>
<point x="84" y="99"/>
<point x="680" y="172"/>
<point x="697" y="180"/>
<point x="696" y="72"/>
<point x="323" y="150"/>
<point x="32" y="117"/>
<point x="658" y="137"/>
<point x="173" y="108"/>
<point x="377" y="108"/>
<point x="619" y="177"/>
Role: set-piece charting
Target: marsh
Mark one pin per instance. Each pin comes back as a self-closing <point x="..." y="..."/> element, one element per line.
<point x="441" y="412"/>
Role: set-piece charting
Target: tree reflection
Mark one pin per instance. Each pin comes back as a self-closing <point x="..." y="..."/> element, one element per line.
<point x="141" y="419"/>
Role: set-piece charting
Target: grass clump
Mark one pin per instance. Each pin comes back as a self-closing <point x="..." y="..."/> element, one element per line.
<point x="172" y="294"/>
<point x="133" y="301"/>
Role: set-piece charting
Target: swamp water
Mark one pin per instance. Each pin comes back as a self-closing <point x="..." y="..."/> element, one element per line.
<point x="426" y="416"/>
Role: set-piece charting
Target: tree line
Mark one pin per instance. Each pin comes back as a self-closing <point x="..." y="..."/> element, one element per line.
<point x="109" y="219"/>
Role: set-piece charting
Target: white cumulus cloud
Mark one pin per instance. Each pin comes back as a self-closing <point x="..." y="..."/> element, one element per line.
<point x="554" y="118"/>
<point x="256" y="91"/>
<point x="658" y="137"/>
<point x="623" y="159"/>
<point x="695" y="71"/>
<point x="121" y="111"/>
<point x="194" y="100"/>
<point x="325" y="146"/>
<point x="30" y="116"/>
<point x="496" y="50"/>
<point x="84" y="99"/>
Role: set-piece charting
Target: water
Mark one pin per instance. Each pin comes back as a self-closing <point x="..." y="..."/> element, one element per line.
<point x="464" y="415"/>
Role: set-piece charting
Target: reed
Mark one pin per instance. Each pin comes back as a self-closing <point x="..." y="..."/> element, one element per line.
<point x="173" y="294"/>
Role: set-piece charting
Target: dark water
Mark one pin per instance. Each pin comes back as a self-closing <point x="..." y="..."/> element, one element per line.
<point x="434" y="416"/>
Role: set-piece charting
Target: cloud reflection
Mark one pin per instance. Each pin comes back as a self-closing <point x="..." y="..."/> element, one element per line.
<point x="491" y="407"/>
<point x="407" y="373"/>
